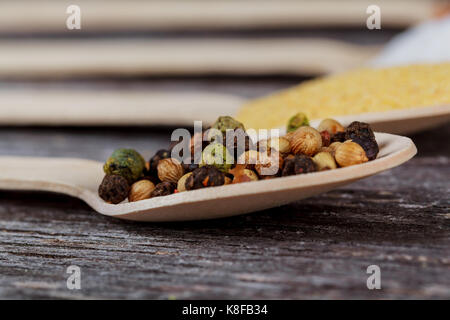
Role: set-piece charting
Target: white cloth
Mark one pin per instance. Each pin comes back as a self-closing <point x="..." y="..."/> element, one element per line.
<point x="428" y="42"/>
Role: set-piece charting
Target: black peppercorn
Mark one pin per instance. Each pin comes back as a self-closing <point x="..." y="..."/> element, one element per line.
<point x="358" y="129"/>
<point x="154" y="179"/>
<point x="114" y="189"/>
<point x="161" y="154"/>
<point x="337" y="137"/>
<point x="297" y="165"/>
<point x="189" y="167"/>
<point x="234" y="148"/>
<point x="370" y="146"/>
<point x="163" y="189"/>
<point x="362" y="134"/>
<point x="207" y="176"/>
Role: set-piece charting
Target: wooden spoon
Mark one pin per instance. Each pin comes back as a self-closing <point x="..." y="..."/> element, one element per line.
<point x="80" y="178"/>
<point x="82" y="107"/>
<point x="132" y="15"/>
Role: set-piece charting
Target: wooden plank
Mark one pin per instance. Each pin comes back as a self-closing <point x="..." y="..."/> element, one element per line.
<point x="112" y="107"/>
<point x="137" y="57"/>
<point x="98" y="15"/>
<point x="316" y="248"/>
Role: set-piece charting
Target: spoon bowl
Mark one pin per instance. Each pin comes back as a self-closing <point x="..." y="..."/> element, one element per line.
<point x="80" y="178"/>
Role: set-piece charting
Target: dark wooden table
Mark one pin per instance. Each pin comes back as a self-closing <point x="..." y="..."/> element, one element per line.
<point x="315" y="248"/>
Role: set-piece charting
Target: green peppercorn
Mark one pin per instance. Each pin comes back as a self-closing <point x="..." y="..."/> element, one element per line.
<point x="127" y="163"/>
<point x="225" y="123"/>
<point x="297" y="121"/>
<point x="217" y="155"/>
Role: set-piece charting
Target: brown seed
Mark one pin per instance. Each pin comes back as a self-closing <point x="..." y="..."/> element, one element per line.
<point x="326" y="138"/>
<point x="228" y="180"/>
<point x="281" y="144"/>
<point x="330" y="125"/>
<point x="332" y="147"/>
<point x="306" y="140"/>
<point x="350" y="153"/>
<point x="245" y="175"/>
<point x="181" y="183"/>
<point x="170" y="170"/>
<point x="324" y="161"/>
<point x="141" y="190"/>
<point x="163" y="189"/>
<point x="289" y="136"/>
<point x="269" y="165"/>
<point x="114" y="189"/>
<point x="249" y="159"/>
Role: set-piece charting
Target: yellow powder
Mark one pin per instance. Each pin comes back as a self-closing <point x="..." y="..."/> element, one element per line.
<point x="360" y="91"/>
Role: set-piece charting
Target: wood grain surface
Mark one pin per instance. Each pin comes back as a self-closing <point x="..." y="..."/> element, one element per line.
<point x="316" y="248"/>
<point x="194" y="14"/>
<point x="134" y="57"/>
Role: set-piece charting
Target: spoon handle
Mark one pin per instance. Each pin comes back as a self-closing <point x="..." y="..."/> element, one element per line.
<point x="106" y="107"/>
<point x="63" y="175"/>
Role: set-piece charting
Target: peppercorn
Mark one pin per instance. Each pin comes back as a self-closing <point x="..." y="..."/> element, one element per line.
<point x="114" y="189"/>
<point x="217" y="155"/>
<point x="337" y="137"/>
<point x="197" y="144"/>
<point x="161" y="154"/>
<point x="235" y="148"/>
<point x="370" y="146"/>
<point x="163" y="189"/>
<point x="358" y="129"/>
<point x="154" y="179"/>
<point x="330" y="125"/>
<point x="189" y="167"/>
<point x="297" y="121"/>
<point x="362" y="134"/>
<point x="269" y="164"/>
<point x="225" y="123"/>
<point x="243" y="175"/>
<point x="127" y="163"/>
<point x="249" y="159"/>
<point x="207" y="176"/>
<point x="305" y="140"/>
<point x="350" y="153"/>
<point x="326" y="138"/>
<point x="297" y="164"/>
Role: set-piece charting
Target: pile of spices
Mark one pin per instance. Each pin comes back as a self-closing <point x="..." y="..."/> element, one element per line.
<point x="302" y="150"/>
<point x="360" y="91"/>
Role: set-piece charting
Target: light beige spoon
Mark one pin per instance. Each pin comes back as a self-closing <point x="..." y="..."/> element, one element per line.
<point x="106" y="57"/>
<point x="131" y="15"/>
<point x="80" y="178"/>
<point x="140" y="107"/>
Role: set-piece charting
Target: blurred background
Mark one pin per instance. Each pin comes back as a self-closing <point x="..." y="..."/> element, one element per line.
<point x="138" y="68"/>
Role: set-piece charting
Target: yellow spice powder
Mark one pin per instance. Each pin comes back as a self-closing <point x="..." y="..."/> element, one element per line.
<point x="360" y="91"/>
